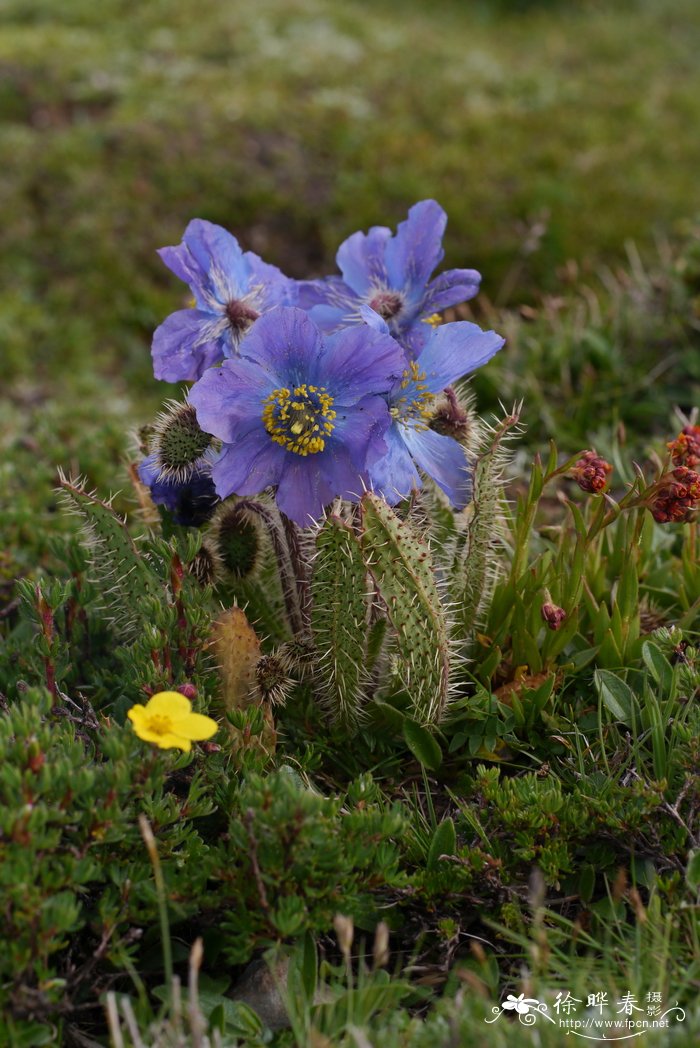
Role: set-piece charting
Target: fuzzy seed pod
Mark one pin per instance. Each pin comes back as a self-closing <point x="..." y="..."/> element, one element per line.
<point x="272" y="677"/>
<point x="178" y="443"/>
<point x="206" y="565"/>
<point x="450" y="417"/>
<point x="236" y="535"/>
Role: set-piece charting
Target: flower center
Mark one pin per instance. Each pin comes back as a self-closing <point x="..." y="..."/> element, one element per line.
<point x="387" y="303"/>
<point x="240" y="315"/>
<point x="416" y="404"/>
<point x="159" y="723"/>
<point x="299" y="419"/>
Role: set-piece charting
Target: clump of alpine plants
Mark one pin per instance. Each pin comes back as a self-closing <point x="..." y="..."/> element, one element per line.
<point x="309" y="398"/>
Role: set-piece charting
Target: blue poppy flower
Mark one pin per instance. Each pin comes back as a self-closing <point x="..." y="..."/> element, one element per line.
<point x="452" y="351"/>
<point x="191" y="502"/>
<point x="300" y="412"/>
<point x="231" y="289"/>
<point x="391" y="274"/>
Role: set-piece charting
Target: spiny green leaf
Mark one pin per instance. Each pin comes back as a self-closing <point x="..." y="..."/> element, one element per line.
<point x="339" y="619"/>
<point x="125" y="576"/>
<point x="401" y="565"/>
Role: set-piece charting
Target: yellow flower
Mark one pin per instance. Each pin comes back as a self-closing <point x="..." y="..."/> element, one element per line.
<point x="168" y="721"/>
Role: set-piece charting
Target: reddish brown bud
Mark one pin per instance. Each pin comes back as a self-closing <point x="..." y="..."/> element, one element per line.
<point x="685" y="449"/>
<point x="188" y="690"/>
<point x="210" y="747"/>
<point x="675" y="496"/>
<point x="591" y="472"/>
<point x="552" y="615"/>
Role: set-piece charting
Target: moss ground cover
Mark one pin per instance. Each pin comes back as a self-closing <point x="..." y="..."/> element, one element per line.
<point x="542" y="836"/>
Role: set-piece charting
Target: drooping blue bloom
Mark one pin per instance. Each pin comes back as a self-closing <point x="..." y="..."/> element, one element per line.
<point x="299" y="411"/>
<point x="231" y="289"/>
<point x="391" y="274"/>
<point x="452" y="351"/>
<point x="191" y="502"/>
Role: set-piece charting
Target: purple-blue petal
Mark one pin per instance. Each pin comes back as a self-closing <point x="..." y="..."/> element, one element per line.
<point x="361" y="259"/>
<point x="451" y="288"/>
<point x="327" y="291"/>
<point x="394" y="476"/>
<point x="185" y="345"/>
<point x="185" y="266"/>
<point x="455" y="350"/>
<point x="191" y="501"/>
<point x="274" y="288"/>
<point x="413" y="254"/>
<point x="219" y="255"/>
<point x="361" y="360"/>
<point x="287" y="345"/>
<point x="229" y="400"/>
<point x="254" y="462"/>
<point x="443" y="459"/>
<point x="305" y="488"/>
<point x="360" y="430"/>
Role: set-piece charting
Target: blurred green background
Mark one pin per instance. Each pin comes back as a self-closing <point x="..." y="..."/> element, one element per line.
<point x="549" y="131"/>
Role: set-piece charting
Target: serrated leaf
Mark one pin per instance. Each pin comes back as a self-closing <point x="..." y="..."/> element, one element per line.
<point x="422" y="744"/>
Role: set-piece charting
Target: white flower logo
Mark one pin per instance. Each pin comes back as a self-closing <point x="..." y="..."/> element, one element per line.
<point x="520" y="1004"/>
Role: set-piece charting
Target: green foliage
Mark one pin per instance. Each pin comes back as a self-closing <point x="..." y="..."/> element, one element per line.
<point x="121" y="573"/>
<point x="401" y="566"/>
<point x="340" y="619"/>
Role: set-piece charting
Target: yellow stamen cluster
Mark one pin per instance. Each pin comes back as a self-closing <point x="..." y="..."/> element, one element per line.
<point x="419" y="405"/>
<point x="299" y="419"/>
<point x="434" y="320"/>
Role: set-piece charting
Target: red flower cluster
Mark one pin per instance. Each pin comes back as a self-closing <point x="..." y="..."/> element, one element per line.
<point x="685" y="449"/>
<point x="676" y="496"/>
<point x="591" y="472"/>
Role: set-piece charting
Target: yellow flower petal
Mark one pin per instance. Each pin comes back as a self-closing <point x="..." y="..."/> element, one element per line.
<point x="195" y="726"/>
<point x="170" y="741"/>
<point x="136" y="714"/>
<point x="169" y="704"/>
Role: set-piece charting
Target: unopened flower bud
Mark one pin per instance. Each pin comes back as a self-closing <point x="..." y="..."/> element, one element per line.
<point x="552" y="615"/>
<point x="591" y="472"/>
<point x="675" y="496"/>
<point x="178" y="443"/>
<point x="685" y="449"/>
<point x="188" y="690"/>
<point x="236" y="535"/>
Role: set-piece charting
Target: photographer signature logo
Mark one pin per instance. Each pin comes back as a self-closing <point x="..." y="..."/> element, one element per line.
<point x="622" y="1020"/>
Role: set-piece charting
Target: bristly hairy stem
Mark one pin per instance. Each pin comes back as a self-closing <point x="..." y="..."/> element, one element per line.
<point x="274" y="524"/>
